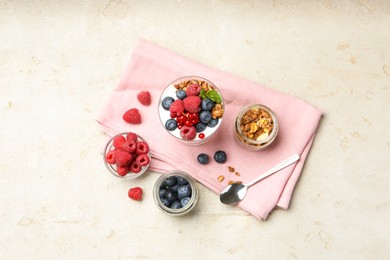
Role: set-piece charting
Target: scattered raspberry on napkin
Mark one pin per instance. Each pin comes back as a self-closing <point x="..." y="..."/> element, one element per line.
<point x="151" y="68"/>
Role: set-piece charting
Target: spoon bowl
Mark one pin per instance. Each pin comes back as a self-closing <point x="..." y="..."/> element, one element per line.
<point x="236" y="192"/>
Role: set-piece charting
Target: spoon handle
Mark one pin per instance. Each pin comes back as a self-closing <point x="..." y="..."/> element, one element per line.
<point x="292" y="159"/>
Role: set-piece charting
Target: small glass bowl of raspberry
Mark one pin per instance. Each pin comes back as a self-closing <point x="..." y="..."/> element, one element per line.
<point x="127" y="155"/>
<point x="191" y="109"/>
<point x="256" y="127"/>
<point x="176" y="193"/>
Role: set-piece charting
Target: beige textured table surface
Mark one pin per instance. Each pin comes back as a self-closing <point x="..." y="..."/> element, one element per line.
<point x="60" y="59"/>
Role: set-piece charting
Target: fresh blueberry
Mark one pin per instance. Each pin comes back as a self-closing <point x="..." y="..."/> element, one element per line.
<point x="184" y="191"/>
<point x="165" y="202"/>
<point x="184" y="201"/>
<point x="171" y="124"/>
<point x="176" y="205"/>
<point x="213" y="122"/>
<point x="162" y="192"/>
<point x="207" y="104"/>
<point x="171" y="196"/>
<point x="205" y="116"/>
<point x="203" y="158"/>
<point x="166" y="102"/>
<point x="220" y="156"/>
<point x="181" y="94"/>
<point x="170" y="181"/>
<point x="200" y="127"/>
<point x="175" y="188"/>
<point x="181" y="180"/>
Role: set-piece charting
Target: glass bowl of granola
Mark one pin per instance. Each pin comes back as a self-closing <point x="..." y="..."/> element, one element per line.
<point x="127" y="155"/>
<point x="256" y="127"/>
<point x="191" y="109"/>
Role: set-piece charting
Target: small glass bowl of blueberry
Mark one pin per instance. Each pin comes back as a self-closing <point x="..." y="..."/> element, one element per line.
<point x="191" y="109"/>
<point x="175" y="193"/>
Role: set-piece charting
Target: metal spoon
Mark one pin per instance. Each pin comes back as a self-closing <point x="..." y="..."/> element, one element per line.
<point x="234" y="193"/>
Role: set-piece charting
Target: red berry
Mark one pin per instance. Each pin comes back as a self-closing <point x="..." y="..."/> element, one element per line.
<point x="135" y="193"/>
<point x="188" y="123"/>
<point x="122" y="157"/>
<point x="135" y="167"/>
<point x="118" y="141"/>
<point x="131" y="136"/>
<point x="188" y="133"/>
<point x="129" y="146"/>
<point x="201" y="135"/>
<point x="110" y="157"/>
<point x="142" y="148"/>
<point x="132" y="116"/>
<point x="172" y="115"/>
<point x="142" y="159"/>
<point x="192" y="104"/>
<point x="177" y="107"/>
<point x="193" y="90"/>
<point x="144" y="98"/>
<point x="122" y="170"/>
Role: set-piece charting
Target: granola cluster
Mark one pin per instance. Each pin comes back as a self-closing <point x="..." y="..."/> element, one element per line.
<point x="256" y="124"/>
<point x="203" y="84"/>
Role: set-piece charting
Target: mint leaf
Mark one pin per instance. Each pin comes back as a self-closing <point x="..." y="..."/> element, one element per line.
<point x="213" y="95"/>
<point x="202" y="94"/>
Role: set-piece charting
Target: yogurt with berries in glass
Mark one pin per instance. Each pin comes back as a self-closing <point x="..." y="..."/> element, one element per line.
<point x="191" y="109"/>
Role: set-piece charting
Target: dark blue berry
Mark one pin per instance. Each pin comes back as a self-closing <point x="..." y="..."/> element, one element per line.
<point x="205" y="116"/>
<point x="162" y="192"/>
<point x="176" y="205"/>
<point x="170" y="181"/>
<point x="166" y="102"/>
<point x="175" y="187"/>
<point x="184" y="191"/>
<point x="181" y="180"/>
<point x="171" y="196"/>
<point x="200" y="127"/>
<point x="184" y="201"/>
<point x="203" y="158"/>
<point x="171" y="124"/>
<point x="220" y="156"/>
<point x="181" y="94"/>
<point x="207" y="104"/>
<point x="165" y="202"/>
<point x="213" y="122"/>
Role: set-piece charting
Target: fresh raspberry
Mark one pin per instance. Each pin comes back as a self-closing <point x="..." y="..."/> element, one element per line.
<point x="177" y="107"/>
<point x="122" y="157"/>
<point x="122" y="170"/>
<point x="110" y="157"/>
<point x="135" y="193"/>
<point x="192" y="104"/>
<point x="188" y="133"/>
<point x="132" y="116"/>
<point x="144" y="98"/>
<point x="142" y="159"/>
<point x="193" y="90"/>
<point x="135" y="167"/>
<point x="118" y="141"/>
<point x="131" y="136"/>
<point x="129" y="146"/>
<point x="142" y="148"/>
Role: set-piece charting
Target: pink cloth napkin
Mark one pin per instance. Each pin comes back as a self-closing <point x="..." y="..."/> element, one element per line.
<point x="152" y="68"/>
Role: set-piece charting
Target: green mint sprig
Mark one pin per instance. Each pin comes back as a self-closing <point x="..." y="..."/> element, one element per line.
<point x="213" y="95"/>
